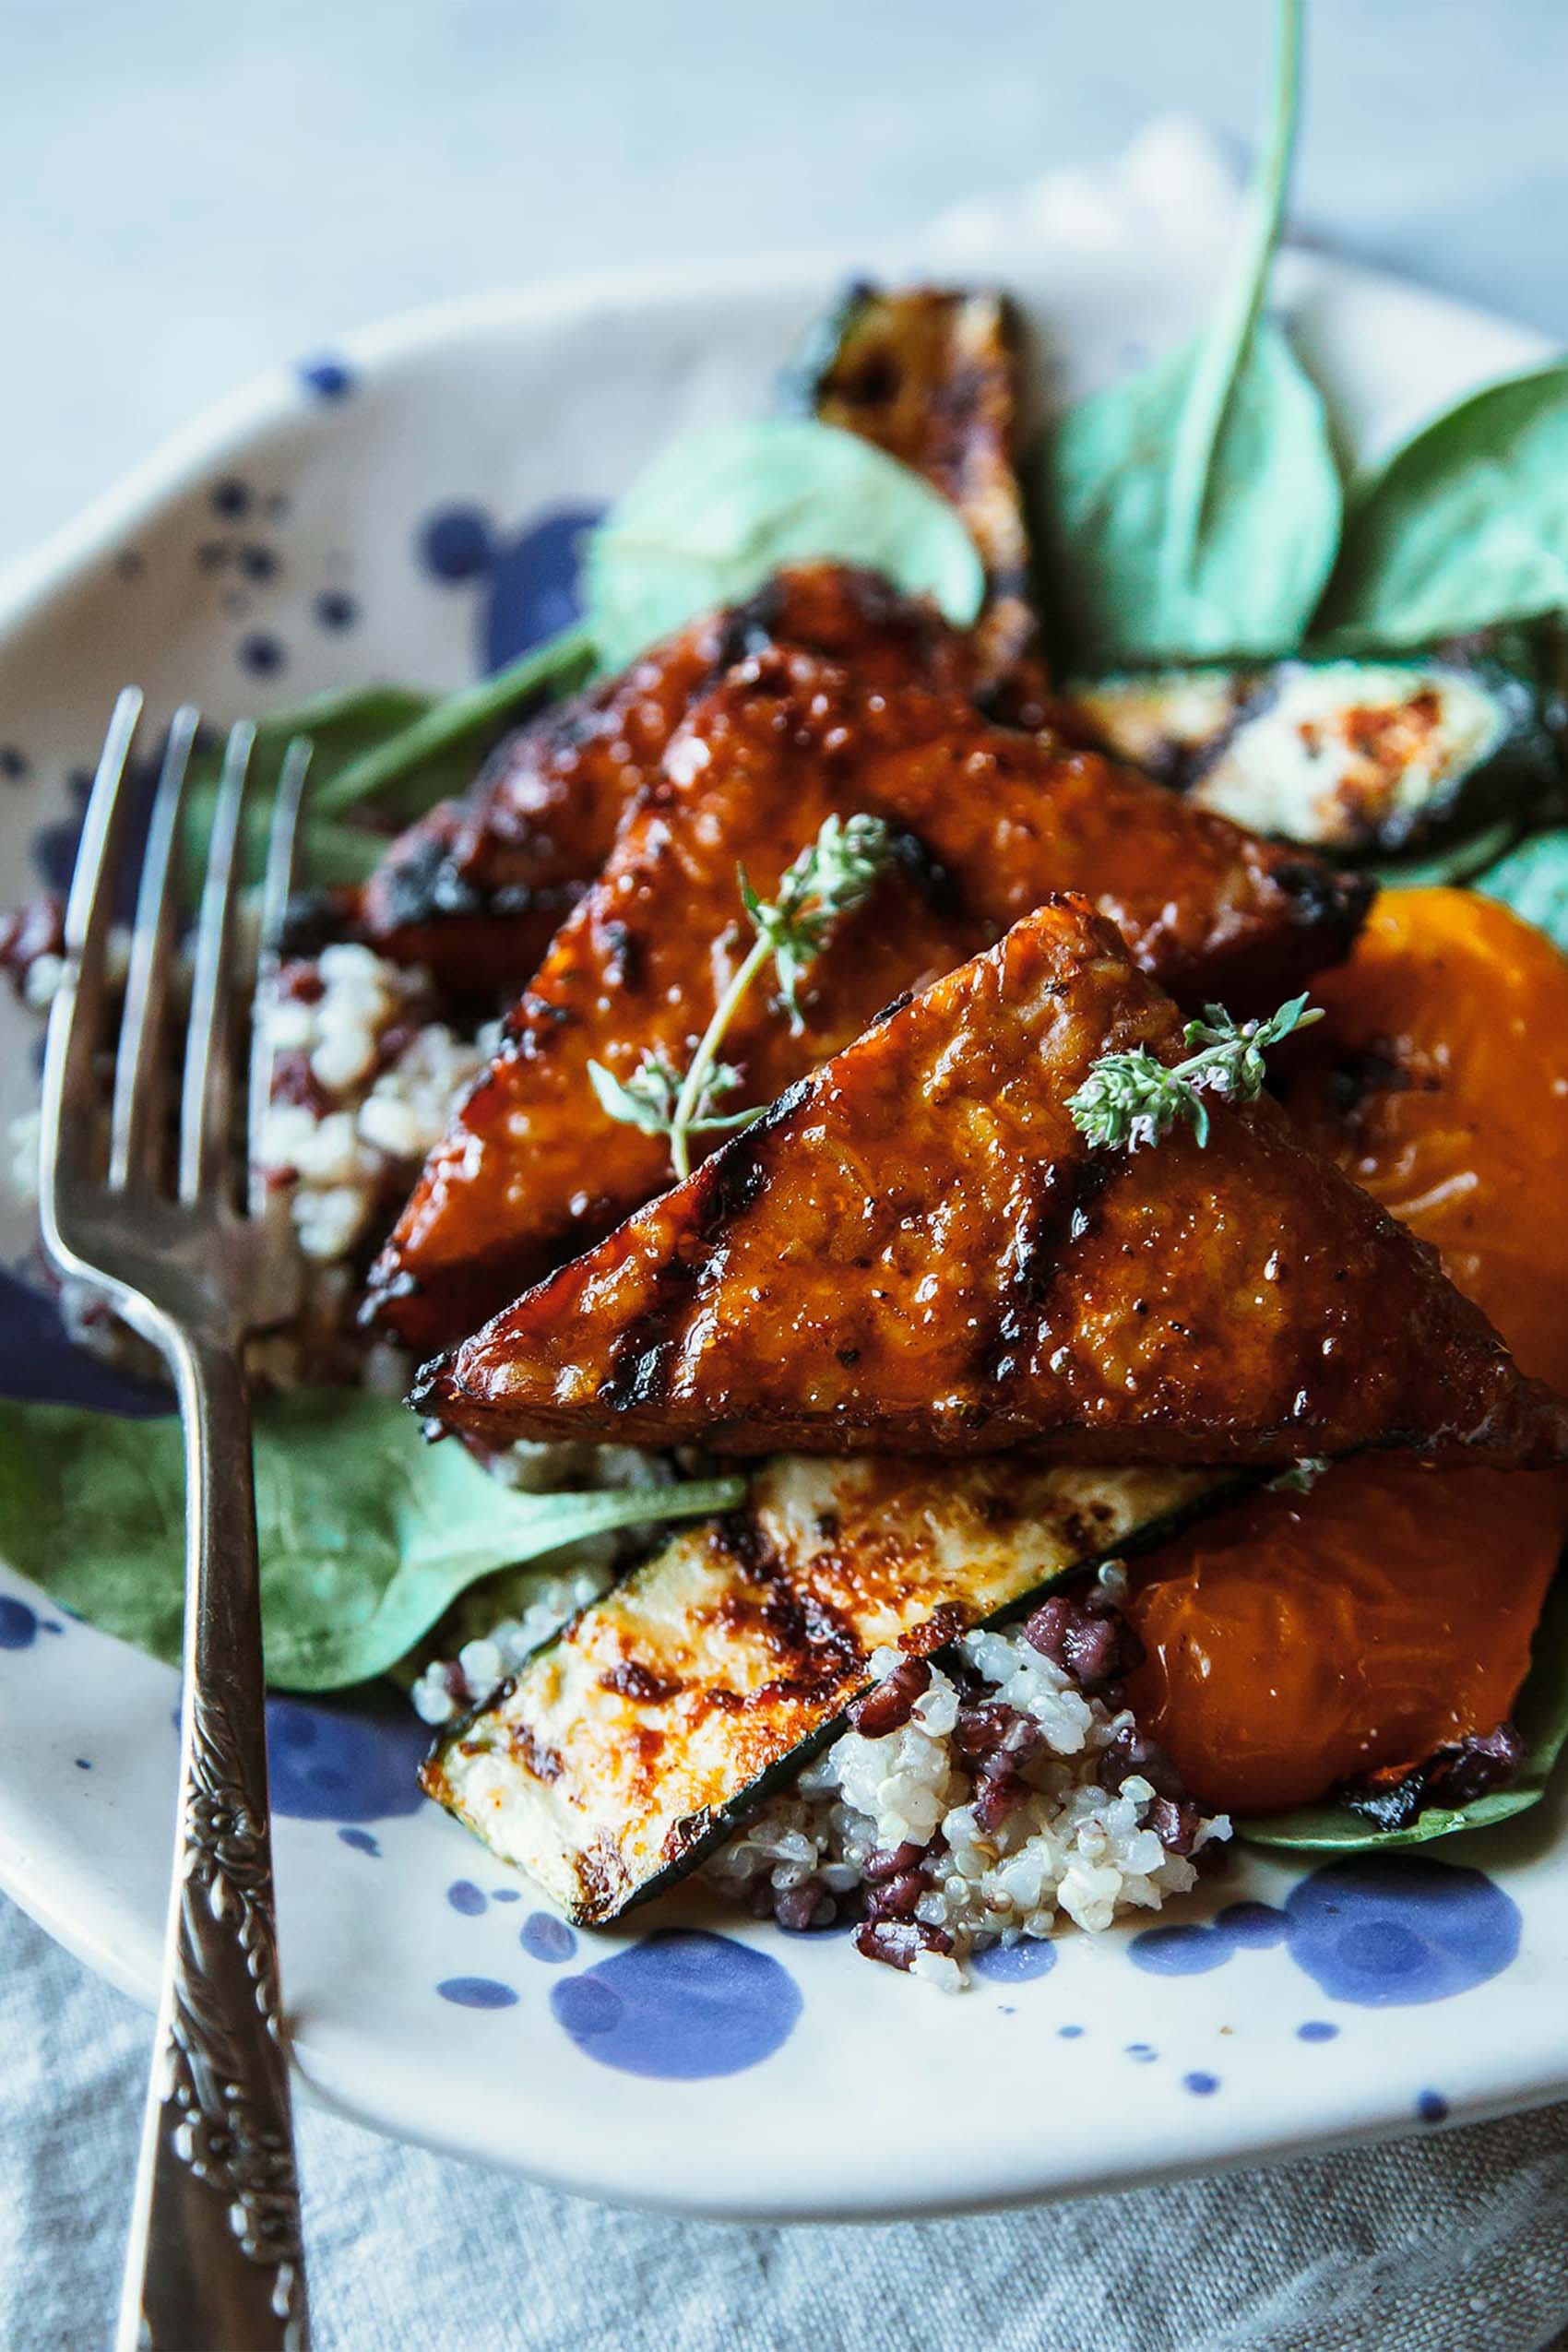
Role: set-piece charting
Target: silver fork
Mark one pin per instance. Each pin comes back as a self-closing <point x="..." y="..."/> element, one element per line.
<point x="215" y="2257"/>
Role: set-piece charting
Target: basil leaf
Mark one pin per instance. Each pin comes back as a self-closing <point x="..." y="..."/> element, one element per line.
<point x="1465" y="525"/>
<point x="404" y="771"/>
<point x="1541" y="1715"/>
<point x="719" y="511"/>
<point x="1533" y="880"/>
<point x="380" y="755"/>
<point x="367" y="1533"/>
<point x="1195" y="509"/>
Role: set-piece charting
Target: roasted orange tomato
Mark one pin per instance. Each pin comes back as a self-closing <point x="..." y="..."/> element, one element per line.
<point x="1294" y="1640"/>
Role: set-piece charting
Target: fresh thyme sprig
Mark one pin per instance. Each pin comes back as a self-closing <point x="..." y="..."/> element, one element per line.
<point x="832" y="874"/>
<point x="1132" y="1098"/>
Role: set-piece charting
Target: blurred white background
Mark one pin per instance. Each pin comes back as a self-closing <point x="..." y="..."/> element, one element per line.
<point x="195" y="189"/>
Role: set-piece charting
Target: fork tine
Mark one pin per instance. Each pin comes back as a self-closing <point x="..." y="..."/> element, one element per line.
<point x="274" y="909"/>
<point x="76" y="1021"/>
<point x="206" y="1091"/>
<point x="136" y="1130"/>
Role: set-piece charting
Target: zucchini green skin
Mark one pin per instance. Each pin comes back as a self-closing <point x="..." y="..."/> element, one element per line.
<point x="1541" y="1713"/>
<point x="1363" y="757"/>
<point x="646" y="1731"/>
<point x="931" y="375"/>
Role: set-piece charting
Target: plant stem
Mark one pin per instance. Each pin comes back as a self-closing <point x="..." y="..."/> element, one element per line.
<point x="1229" y="333"/>
<point x="473" y="711"/>
<point x="703" y="1059"/>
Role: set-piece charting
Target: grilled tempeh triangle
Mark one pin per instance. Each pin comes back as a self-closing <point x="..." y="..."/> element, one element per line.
<point x="916" y="1251"/>
<point x="989" y="822"/>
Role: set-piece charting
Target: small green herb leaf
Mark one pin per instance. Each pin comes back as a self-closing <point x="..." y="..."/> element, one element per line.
<point x="718" y="512"/>
<point x="1195" y="509"/>
<point x="1465" y="526"/>
<point x="1134" y="1099"/>
<point x="367" y="1533"/>
<point x="1533" y="880"/>
<point x="831" y="875"/>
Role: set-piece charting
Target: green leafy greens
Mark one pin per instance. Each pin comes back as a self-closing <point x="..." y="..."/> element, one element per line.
<point x="718" y="512"/>
<point x="1464" y="527"/>
<point x="1195" y="508"/>
<point x="1533" y="880"/>
<point x="1134" y="1099"/>
<point x="380" y="757"/>
<point x="367" y="1532"/>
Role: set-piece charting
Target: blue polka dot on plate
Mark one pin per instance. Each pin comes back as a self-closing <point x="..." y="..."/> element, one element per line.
<point x="328" y="378"/>
<point x="1431" y="2107"/>
<point x="456" y="543"/>
<point x="682" y="2005"/>
<point x="477" y="1992"/>
<point x="544" y="1937"/>
<point x="1014" y="1964"/>
<point x="18" y="1624"/>
<point x="1202" y="2086"/>
<point x="466" y="1897"/>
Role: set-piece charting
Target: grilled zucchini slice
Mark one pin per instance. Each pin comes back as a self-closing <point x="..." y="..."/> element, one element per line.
<point x="931" y="375"/>
<point x="643" y="1734"/>
<point x="1363" y="758"/>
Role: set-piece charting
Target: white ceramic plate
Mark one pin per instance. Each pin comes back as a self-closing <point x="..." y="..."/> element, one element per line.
<point x="398" y="509"/>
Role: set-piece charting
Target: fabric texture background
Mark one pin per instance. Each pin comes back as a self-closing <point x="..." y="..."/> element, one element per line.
<point x="1453" y="2241"/>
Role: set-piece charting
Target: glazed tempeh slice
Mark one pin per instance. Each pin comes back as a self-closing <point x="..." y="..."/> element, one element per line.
<point x="639" y="1737"/>
<point x="931" y="375"/>
<point x="916" y="1251"/>
<point x="988" y="822"/>
<point x="476" y="889"/>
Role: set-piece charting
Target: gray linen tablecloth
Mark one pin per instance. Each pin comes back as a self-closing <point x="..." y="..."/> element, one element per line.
<point x="1456" y="2241"/>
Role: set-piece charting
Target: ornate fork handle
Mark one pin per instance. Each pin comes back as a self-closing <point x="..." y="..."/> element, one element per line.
<point x="215" y="2262"/>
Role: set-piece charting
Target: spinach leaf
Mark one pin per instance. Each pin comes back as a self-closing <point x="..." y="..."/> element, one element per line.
<point x="367" y="1532"/>
<point x="1542" y="1718"/>
<point x="381" y="756"/>
<point x="718" y="512"/>
<point x="1533" y="880"/>
<point x="1465" y="525"/>
<point x="1195" y="509"/>
<point x="435" y="752"/>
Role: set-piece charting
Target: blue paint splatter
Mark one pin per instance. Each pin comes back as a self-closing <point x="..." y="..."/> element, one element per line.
<point x="1202" y="2086"/>
<point x="457" y="543"/>
<point x="1431" y="2107"/>
<point x="39" y="1362"/>
<point x="354" y="1761"/>
<point x="684" y="2005"/>
<point x="261" y="655"/>
<point x="1069" y="2033"/>
<point x="534" y="586"/>
<point x="1252" y="1924"/>
<point x="1383" y="1932"/>
<point x="464" y="1897"/>
<point x="504" y="1895"/>
<point x="1014" y="1964"/>
<point x="1192" y="1951"/>
<point x="336" y="611"/>
<point x="18" y="1624"/>
<point x="361" y="1840"/>
<point x="477" y="1992"/>
<point x="328" y="378"/>
<point x="84" y="1764"/>
<point x="1317" y="2030"/>
<point x="1144" y="2053"/>
<point x="544" y="1937"/>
